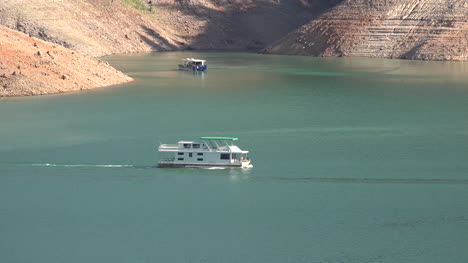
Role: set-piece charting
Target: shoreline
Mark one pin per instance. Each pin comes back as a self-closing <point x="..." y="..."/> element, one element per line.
<point x="101" y="60"/>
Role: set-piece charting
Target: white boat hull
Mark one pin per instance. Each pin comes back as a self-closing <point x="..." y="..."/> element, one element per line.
<point x="245" y="165"/>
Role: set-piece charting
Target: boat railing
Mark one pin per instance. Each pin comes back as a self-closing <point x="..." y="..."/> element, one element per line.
<point x="205" y="148"/>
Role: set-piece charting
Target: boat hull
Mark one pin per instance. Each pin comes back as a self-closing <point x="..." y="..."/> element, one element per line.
<point x="193" y="68"/>
<point x="196" y="165"/>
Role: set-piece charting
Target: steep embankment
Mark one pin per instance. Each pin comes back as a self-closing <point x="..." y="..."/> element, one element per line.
<point x="30" y="66"/>
<point x="101" y="27"/>
<point x="410" y="29"/>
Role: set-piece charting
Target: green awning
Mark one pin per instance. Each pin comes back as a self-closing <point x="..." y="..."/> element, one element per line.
<point x="219" y="138"/>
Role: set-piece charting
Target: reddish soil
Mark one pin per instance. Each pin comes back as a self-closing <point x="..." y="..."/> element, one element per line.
<point x="30" y="66"/>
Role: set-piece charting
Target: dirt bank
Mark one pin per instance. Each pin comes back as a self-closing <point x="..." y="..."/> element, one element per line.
<point x="30" y="66"/>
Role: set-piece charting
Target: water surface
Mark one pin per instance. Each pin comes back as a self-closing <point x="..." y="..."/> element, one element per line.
<point x="355" y="160"/>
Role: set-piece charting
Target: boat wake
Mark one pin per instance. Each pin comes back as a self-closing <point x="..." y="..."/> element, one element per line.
<point x="82" y="165"/>
<point x="215" y="168"/>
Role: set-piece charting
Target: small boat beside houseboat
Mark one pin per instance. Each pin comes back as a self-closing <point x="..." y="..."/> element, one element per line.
<point x="193" y="64"/>
<point x="206" y="152"/>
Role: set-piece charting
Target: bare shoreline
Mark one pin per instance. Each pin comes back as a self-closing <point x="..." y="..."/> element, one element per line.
<point x="31" y="66"/>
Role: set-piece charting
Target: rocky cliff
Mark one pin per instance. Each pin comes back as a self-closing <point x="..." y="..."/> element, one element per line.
<point x="410" y="29"/>
<point x="30" y="66"/>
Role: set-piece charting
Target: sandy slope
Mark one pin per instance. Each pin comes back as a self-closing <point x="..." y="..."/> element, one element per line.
<point x="30" y="66"/>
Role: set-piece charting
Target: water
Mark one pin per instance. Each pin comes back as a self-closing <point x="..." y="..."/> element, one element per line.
<point x="355" y="160"/>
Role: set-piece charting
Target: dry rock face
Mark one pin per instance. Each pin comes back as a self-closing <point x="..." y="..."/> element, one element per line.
<point x="30" y="66"/>
<point x="410" y="29"/>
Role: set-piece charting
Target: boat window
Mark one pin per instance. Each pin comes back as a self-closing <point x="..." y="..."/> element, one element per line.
<point x="199" y="159"/>
<point x="180" y="153"/>
<point x="190" y="154"/>
<point x="196" y="145"/>
<point x="180" y="159"/>
<point x="225" y="156"/>
<point x="187" y="145"/>
<point x="199" y="154"/>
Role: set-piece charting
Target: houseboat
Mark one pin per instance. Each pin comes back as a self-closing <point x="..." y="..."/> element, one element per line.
<point x="206" y="152"/>
<point x="193" y="64"/>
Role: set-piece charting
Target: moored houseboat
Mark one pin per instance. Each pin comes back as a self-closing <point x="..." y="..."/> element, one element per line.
<point x="207" y="152"/>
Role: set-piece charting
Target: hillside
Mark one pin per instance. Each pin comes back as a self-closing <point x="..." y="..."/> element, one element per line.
<point x="102" y="27"/>
<point x="30" y="66"/>
<point x="409" y="29"/>
<point x="412" y="29"/>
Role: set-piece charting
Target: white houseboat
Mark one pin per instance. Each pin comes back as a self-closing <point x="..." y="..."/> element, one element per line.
<point x="207" y="152"/>
<point x="193" y="64"/>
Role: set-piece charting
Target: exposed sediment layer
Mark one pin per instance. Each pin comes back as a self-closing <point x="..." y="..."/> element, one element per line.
<point x="31" y="66"/>
<point x="409" y="29"/>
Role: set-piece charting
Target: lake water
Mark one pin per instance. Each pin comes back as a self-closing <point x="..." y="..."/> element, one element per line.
<point x="355" y="160"/>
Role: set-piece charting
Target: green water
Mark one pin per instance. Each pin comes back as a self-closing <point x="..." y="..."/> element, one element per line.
<point x="355" y="160"/>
